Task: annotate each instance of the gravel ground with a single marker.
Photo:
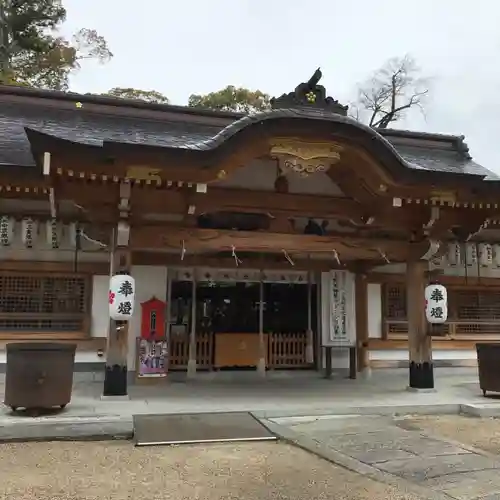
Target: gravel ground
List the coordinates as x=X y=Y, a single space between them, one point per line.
x=118 y=470
x=483 y=433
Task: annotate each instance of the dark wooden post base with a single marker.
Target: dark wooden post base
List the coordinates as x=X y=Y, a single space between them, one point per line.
x=421 y=375
x=328 y=362
x=115 y=381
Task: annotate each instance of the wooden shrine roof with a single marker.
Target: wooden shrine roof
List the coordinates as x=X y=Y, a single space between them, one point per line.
x=102 y=120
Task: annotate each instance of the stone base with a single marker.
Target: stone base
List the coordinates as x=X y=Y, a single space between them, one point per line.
x=421 y=375
x=115 y=398
x=421 y=391
x=115 y=381
x=191 y=369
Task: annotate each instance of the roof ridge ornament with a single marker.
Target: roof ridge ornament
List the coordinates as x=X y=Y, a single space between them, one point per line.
x=309 y=94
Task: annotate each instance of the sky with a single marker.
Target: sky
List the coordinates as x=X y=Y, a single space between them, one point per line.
x=199 y=46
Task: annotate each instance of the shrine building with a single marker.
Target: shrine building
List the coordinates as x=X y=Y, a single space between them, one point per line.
x=264 y=238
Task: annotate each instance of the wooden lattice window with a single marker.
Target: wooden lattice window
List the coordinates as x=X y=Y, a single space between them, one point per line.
x=471 y=311
x=474 y=305
x=35 y=303
x=394 y=302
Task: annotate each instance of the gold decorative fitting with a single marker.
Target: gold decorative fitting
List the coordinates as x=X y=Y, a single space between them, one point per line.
x=443 y=196
x=140 y=173
x=221 y=174
x=305 y=158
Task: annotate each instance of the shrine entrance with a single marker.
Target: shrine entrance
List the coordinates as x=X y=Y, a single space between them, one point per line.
x=229 y=319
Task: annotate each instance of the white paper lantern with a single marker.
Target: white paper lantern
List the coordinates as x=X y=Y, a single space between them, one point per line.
x=121 y=297
x=29 y=230
x=454 y=254
x=436 y=304
x=485 y=254
x=54 y=233
x=496 y=255
x=6 y=230
x=471 y=254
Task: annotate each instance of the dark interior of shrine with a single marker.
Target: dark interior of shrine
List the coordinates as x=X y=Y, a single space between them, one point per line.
x=233 y=307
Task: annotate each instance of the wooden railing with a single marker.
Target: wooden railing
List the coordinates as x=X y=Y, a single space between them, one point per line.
x=287 y=350
x=451 y=330
x=284 y=350
x=179 y=352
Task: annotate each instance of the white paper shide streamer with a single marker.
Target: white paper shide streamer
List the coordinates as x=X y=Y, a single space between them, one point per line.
x=6 y=230
x=436 y=304
x=28 y=229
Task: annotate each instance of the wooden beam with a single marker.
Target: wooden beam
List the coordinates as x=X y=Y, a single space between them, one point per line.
x=449 y=281
x=171 y=237
x=256 y=262
x=441 y=344
x=37 y=266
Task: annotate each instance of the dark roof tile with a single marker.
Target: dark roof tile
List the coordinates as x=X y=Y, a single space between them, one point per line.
x=93 y=128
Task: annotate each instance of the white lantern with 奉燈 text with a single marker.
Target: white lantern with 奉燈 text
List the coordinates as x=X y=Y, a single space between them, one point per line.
x=121 y=297
x=436 y=304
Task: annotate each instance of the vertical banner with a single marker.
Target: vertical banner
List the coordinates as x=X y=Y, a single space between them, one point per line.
x=338 y=308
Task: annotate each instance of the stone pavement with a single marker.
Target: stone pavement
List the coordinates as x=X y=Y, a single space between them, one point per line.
x=390 y=450
x=280 y=394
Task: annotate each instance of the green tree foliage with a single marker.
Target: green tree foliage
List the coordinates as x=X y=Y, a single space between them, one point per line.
x=37 y=55
x=232 y=99
x=144 y=95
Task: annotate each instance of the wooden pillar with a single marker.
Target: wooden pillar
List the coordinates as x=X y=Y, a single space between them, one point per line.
x=168 y=317
x=421 y=367
x=191 y=370
x=319 y=323
x=261 y=365
x=310 y=336
x=115 y=377
x=361 y=312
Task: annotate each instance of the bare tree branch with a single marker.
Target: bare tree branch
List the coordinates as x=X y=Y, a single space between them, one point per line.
x=391 y=91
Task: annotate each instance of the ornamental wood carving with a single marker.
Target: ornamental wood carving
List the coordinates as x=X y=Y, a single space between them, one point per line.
x=303 y=157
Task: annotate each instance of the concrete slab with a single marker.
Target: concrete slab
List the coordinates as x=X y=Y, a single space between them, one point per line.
x=420 y=468
x=483 y=410
x=69 y=429
x=282 y=394
x=477 y=484
x=383 y=443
